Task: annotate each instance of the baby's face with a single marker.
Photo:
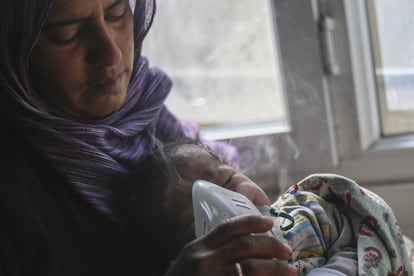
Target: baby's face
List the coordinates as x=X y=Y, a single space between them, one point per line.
x=192 y=162
x=195 y=162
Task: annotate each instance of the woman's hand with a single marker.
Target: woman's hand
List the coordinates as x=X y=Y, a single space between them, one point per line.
x=240 y=183
x=194 y=162
x=237 y=240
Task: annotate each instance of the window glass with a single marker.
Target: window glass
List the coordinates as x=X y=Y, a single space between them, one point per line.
x=222 y=58
x=392 y=29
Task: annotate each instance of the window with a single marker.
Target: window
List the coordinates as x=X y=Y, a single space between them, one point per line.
x=375 y=156
x=393 y=49
x=344 y=88
x=223 y=60
x=248 y=52
x=263 y=57
x=372 y=150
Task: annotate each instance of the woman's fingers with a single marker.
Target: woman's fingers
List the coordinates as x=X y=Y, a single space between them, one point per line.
x=250 y=267
x=237 y=226
x=230 y=178
x=252 y=246
x=265 y=267
x=257 y=267
x=246 y=235
x=240 y=239
x=242 y=184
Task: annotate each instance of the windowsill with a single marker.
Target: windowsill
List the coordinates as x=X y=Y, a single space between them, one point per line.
x=242 y=131
x=400 y=142
x=390 y=160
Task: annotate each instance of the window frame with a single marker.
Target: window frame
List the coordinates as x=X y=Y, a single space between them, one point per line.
x=344 y=136
x=382 y=164
x=333 y=114
x=309 y=144
x=374 y=163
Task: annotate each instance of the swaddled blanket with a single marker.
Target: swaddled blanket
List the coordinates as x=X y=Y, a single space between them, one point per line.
x=337 y=219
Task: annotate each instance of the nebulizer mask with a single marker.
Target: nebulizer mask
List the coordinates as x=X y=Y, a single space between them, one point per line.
x=212 y=204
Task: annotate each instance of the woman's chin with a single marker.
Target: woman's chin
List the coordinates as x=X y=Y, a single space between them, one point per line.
x=97 y=111
x=106 y=106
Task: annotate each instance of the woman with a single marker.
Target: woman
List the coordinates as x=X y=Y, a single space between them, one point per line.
x=79 y=107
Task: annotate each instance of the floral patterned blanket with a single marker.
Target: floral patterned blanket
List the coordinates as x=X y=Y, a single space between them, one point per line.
x=334 y=214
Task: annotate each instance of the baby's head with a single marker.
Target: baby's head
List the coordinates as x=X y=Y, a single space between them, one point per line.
x=158 y=193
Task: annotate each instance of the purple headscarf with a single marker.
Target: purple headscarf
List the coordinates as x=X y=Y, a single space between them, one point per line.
x=89 y=154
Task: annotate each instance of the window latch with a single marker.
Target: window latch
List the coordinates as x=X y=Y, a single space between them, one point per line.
x=329 y=53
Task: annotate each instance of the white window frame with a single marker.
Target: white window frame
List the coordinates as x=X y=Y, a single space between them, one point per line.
x=330 y=92
x=378 y=154
x=383 y=164
x=333 y=113
x=274 y=154
x=277 y=160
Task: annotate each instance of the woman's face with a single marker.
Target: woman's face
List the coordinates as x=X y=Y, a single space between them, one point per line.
x=83 y=58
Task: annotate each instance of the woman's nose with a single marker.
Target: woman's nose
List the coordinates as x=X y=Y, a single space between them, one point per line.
x=103 y=49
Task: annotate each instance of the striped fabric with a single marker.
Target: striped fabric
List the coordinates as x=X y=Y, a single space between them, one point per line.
x=89 y=154
x=334 y=215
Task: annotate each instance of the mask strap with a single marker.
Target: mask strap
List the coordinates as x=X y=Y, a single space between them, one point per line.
x=285 y=215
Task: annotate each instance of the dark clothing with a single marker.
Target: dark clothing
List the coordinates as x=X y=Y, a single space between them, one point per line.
x=48 y=229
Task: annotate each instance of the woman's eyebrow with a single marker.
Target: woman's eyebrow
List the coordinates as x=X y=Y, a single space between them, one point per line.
x=71 y=21
x=78 y=20
x=114 y=4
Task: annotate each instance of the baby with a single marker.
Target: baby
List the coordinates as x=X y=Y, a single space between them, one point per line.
x=170 y=171
x=155 y=186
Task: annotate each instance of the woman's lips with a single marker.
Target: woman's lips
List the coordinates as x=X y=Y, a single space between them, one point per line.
x=109 y=85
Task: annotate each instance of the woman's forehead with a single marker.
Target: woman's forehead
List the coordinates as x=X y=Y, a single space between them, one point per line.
x=64 y=9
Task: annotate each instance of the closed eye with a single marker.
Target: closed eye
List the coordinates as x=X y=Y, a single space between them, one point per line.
x=116 y=11
x=114 y=18
x=65 y=34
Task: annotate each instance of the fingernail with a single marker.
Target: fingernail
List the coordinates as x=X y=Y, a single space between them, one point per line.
x=267 y=221
x=288 y=249
x=293 y=269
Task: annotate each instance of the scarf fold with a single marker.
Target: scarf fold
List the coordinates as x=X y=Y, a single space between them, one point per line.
x=89 y=154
